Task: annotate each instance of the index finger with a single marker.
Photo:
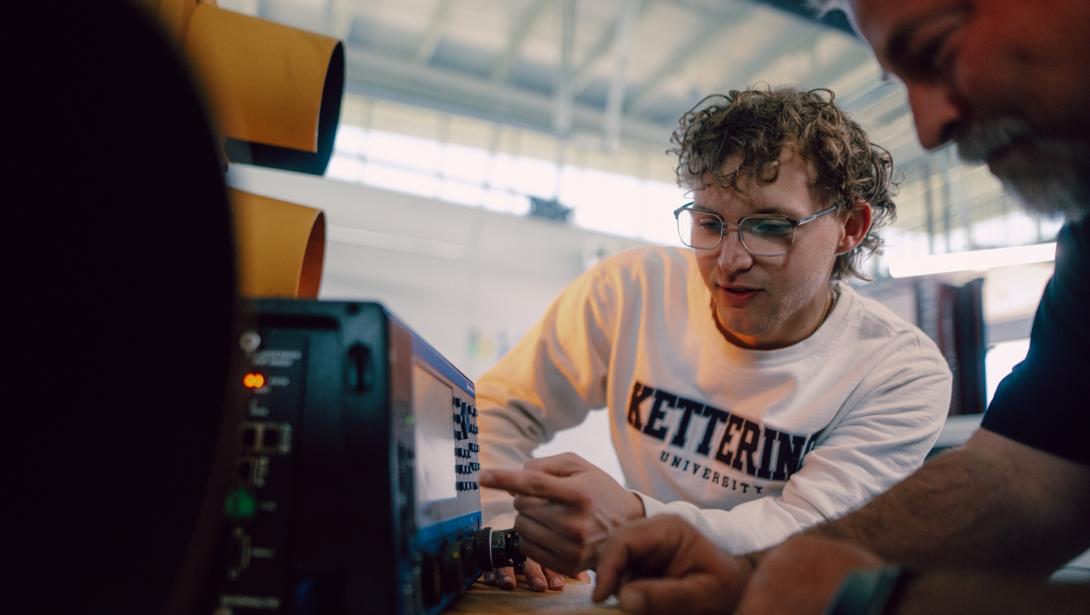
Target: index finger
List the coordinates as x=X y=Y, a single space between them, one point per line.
x=563 y=464
x=532 y=482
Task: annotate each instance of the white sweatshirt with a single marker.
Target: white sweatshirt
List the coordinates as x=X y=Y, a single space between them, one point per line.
x=750 y=446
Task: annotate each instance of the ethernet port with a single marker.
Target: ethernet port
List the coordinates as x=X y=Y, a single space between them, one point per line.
x=249 y=437
x=271 y=437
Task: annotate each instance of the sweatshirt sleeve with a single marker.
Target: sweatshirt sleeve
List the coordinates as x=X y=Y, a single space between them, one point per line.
x=883 y=438
x=549 y=381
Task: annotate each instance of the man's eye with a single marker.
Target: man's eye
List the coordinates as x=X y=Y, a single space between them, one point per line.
x=930 y=58
x=770 y=228
x=928 y=53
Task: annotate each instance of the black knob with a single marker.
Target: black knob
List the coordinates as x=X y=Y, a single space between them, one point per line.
x=498 y=549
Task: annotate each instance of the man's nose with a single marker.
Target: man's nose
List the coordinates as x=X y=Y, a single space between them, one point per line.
x=733 y=256
x=938 y=112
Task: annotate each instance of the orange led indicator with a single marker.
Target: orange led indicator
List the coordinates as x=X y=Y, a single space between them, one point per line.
x=253 y=380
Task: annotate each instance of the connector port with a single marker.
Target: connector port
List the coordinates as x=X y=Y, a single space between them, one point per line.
x=270 y=437
x=245 y=470
x=250 y=439
x=274 y=438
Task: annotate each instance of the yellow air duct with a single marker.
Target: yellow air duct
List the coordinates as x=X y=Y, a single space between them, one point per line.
x=281 y=246
x=275 y=93
x=275 y=90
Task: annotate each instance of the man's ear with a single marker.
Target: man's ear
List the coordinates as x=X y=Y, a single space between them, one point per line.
x=856 y=226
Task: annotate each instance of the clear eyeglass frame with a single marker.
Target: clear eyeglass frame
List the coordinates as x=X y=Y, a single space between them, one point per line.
x=744 y=225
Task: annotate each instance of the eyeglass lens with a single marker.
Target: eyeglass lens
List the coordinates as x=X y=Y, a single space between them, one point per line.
x=760 y=236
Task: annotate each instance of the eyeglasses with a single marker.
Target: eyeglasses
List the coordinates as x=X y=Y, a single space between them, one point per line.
x=760 y=235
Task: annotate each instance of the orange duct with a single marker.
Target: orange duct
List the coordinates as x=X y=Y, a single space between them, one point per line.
x=275 y=93
x=281 y=246
x=275 y=90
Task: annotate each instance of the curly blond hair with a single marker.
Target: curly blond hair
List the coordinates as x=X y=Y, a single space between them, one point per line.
x=755 y=125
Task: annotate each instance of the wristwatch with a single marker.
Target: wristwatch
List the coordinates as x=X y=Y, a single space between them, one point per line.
x=869 y=592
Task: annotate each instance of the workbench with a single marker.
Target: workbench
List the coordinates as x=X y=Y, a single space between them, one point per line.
x=575 y=599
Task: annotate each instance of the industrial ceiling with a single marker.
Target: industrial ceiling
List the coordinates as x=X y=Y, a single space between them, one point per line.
x=621 y=72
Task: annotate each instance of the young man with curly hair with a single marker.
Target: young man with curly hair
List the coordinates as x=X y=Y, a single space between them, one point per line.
x=750 y=389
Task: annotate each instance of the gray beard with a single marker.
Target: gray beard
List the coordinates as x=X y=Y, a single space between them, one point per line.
x=1056 y=183
x=1060 y=193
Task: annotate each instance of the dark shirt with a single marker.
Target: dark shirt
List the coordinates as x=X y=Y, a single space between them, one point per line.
x=1045 y=401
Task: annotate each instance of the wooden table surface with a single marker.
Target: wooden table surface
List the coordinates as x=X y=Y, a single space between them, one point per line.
x=575 y=599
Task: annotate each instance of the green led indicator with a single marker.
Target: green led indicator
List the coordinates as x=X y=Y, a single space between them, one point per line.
x=240 y=504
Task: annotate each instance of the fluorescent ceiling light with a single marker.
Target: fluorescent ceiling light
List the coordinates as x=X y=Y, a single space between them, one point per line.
x=975 y=260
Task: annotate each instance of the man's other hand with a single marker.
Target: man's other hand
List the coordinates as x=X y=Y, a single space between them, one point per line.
x=801 y=575
x=665 y=565
x=566 y=507
x=538 y=578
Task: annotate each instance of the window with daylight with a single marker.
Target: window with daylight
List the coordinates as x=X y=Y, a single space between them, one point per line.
x=603 y=201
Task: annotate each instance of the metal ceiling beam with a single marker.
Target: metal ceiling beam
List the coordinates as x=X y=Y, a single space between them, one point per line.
x=601 y=48
x=833 y=20
x=518 y=36
x=854 y=84
x=562 y=109
x=400 y=79
x=771 y=49
x=626 y=23
x=246 y=7
x=434 y=32
x=710 y=32
x=831 y=73
x=339 y=15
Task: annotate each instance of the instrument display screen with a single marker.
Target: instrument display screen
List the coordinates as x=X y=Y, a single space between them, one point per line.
x=435 y=474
